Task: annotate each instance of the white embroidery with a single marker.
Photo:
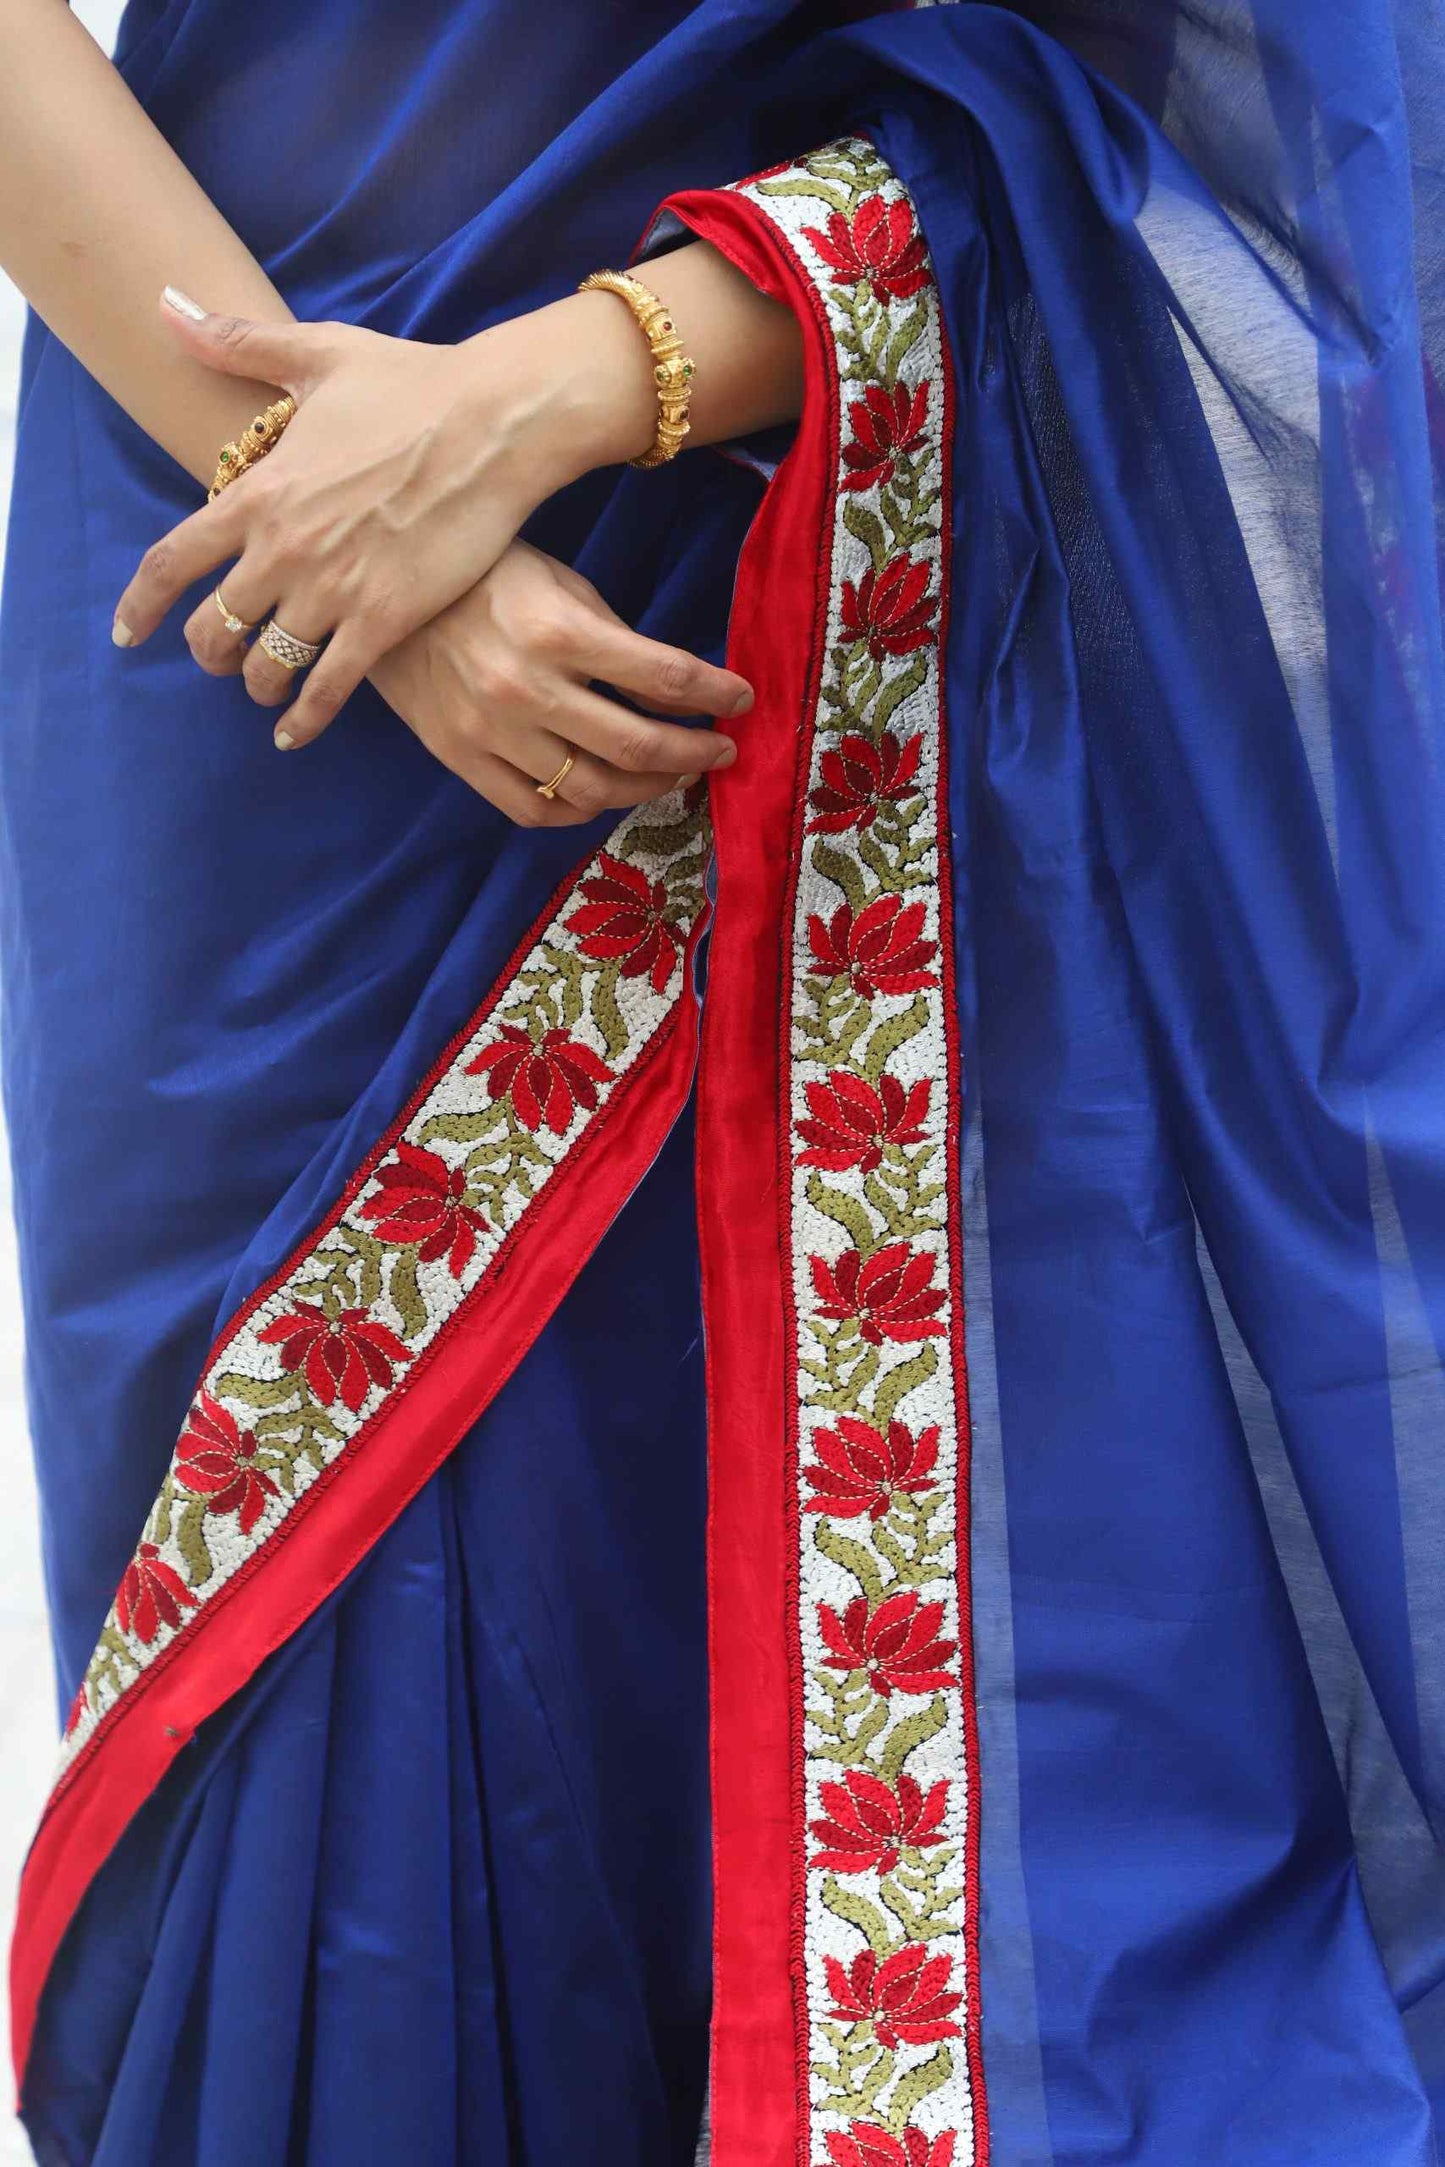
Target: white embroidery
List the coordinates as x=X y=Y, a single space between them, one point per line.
x=891 y=1930
x=370 y=1295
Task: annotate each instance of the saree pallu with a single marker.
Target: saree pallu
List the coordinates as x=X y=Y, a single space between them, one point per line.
x=1059 y=1288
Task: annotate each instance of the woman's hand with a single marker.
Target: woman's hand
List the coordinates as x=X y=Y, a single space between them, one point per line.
x=409 y=468
x=405 y=473
x=498 y=687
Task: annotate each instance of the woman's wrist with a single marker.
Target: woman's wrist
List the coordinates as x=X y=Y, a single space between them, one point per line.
x=579 y=390
x=571 y=387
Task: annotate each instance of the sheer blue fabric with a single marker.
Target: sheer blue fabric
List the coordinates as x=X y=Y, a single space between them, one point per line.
x=435 y=1888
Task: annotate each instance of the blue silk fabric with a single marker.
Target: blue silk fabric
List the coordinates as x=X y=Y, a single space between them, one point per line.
x=434 y=1889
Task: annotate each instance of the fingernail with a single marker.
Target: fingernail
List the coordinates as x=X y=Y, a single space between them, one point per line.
x=284 y=741
x=183 y=304
x=121 y=633
x=728 y=754
x=742 y=703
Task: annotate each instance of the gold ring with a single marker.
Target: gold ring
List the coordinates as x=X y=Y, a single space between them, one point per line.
x=549 y=790
x=256 y=439
x=233 y=622
x=285 y=648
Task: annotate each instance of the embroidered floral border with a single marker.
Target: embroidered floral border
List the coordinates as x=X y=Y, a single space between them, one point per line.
x=887 y=1737
x=303 y=1375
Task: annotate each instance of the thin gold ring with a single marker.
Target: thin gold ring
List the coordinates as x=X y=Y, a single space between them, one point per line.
x=549 y=790
x=233 y=622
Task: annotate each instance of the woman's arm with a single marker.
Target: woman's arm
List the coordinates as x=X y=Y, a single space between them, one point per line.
x=422 y=460
x=97 y=214
x=410 y=467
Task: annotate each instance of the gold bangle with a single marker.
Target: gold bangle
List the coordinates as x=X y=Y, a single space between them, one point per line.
x=672 y=369
x=256 y=439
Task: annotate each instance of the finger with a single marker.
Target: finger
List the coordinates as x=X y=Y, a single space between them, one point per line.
x=197 y=546
x=513 y=792
x=287 y=355
x=639 y=744
x=661 y=676
x=324 y=689
x=590 y=785
x=270 y=681
x=219 y=629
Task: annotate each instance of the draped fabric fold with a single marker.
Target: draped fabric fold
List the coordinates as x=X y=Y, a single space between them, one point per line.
x=1059 y=1284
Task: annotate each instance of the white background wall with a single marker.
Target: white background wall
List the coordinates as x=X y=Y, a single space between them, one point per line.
x=27 y=1716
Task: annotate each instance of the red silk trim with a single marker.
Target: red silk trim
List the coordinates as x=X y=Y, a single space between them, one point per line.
x=97 y=1796
x=759 y=2085
x=761 y=2109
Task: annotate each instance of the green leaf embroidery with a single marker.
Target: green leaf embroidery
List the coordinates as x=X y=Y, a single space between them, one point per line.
x=851 y=1905
x=898 y=1383
x=856 y=2070
x=815 y=188
x=909 y=680
x=464 y=1128
x=406 y=1295
x=848 y=1720
x=369 y=1250
x=854 y=1557
x=662 y=841
x=893 y=1032
x=844 y=872
x=844 y=1211
x=191 y=1541
x=912 y=1732
x=159 y=1529
x=921 y=1901
x=867 y=527
x=605 y=1012
x=257 y=1391
x=904 y=339
x=916 y=1550
x=915 y=2085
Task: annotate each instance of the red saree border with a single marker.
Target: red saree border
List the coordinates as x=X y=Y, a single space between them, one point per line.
x=844 y=1967
x=758 y=2102
x=159 y=1671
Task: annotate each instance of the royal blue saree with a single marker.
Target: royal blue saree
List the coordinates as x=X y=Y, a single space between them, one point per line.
x=771 y=1476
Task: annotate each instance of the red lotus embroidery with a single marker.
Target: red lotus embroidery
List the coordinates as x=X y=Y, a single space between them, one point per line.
x=865 y=2144
x=879 y=247
x=343 y=1355
x=858 y=1468
x=421 y=1199
x=623 y=918
x=858 y=777
x=869 y=1822
x=898 y=1644
x=905 y=1996
x=892 y=610
x=216 y=1460
x=886 y=426
x=549 y=1078
x=848 y=1123
x=891 y=1296
x=152 y=1594
x=880 y=949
